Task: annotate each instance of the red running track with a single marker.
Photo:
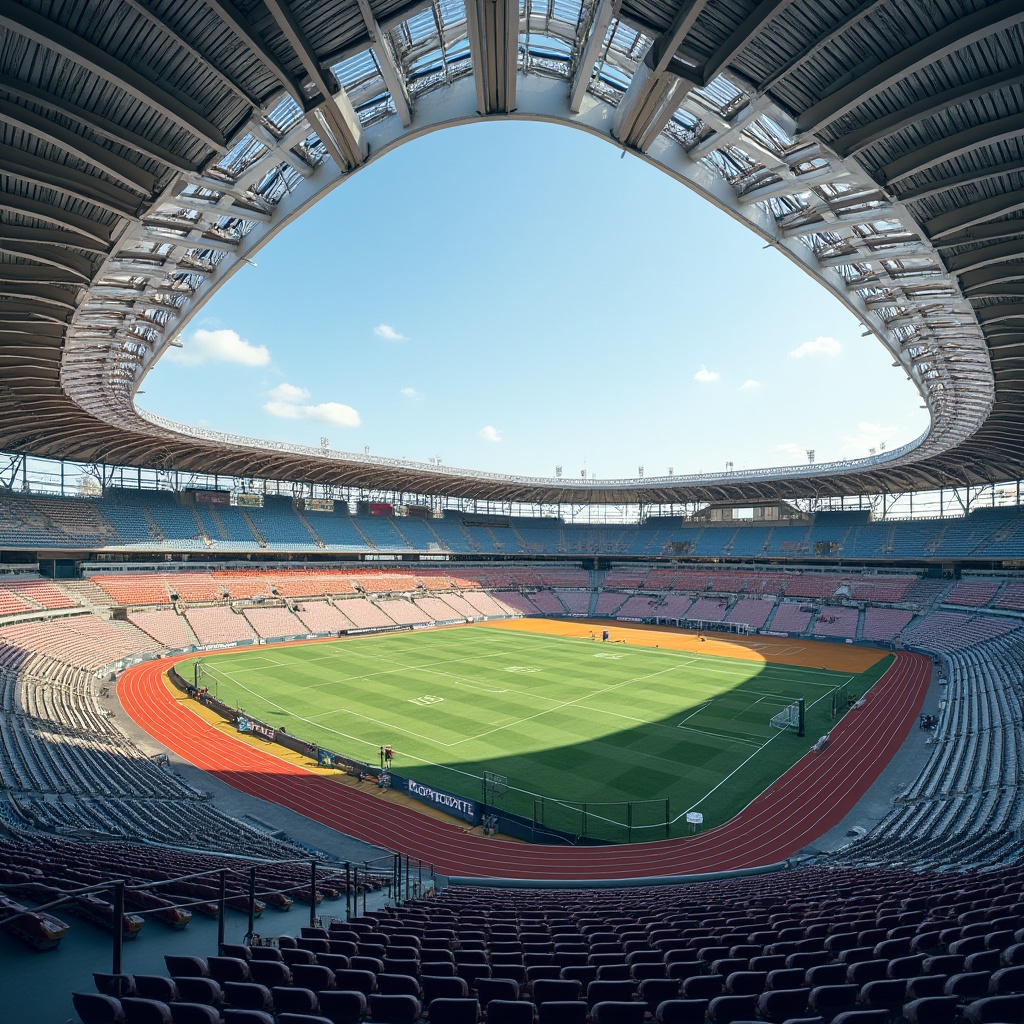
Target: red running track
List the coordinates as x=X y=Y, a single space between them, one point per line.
x=803 y=804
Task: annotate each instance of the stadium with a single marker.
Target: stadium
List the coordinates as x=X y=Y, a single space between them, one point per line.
x=725 y=747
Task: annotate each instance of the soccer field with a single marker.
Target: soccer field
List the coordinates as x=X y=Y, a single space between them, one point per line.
x=562 y=718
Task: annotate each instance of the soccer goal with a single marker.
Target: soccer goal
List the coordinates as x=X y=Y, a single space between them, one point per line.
x=791 y=717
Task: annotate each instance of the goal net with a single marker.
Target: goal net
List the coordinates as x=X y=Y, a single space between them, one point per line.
x=788 y=717
x=623 y=821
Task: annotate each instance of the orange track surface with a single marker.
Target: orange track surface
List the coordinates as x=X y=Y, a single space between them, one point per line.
x=812 y=797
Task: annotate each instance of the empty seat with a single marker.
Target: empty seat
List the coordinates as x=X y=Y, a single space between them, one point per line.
x=682 y=1011
x=705 y=986
x=562 y=1011
x=315 y=976
x=186 y=966
x=194 y=1013
x=235 y=1016
x=610 y=991
x=823 y=974
x=271 y=972
x=613 y=1012
x=489 y=989
x=1006 y=981
x=556 y=990
x=199 y=990
x=97 y=1008
x=968 y=986
x=654 y=991
x=788 y=977
x=931 y=1010
x=867 y=970
x=264 y=953
x=145 y=1011
x=434 y=987
x=247 y=995
x=728 y=1009
x=447 y=1010
x=294 y=1000
x=925 y=985
x=342 y=1007
x=397 y=1009
x=228 y=968
x=886 y=994
x=155 y=986
x=862 y=1017
x=742 y=983
x=357 y=981
x=828 y=1001
x=398 y=984
x=778 y=1005
x=994 y=1009
x=507 y=1011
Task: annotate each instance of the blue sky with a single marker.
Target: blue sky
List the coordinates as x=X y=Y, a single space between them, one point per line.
x=514 y=297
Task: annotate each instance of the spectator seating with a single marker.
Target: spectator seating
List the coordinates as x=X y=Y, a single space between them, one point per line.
x=836 y=621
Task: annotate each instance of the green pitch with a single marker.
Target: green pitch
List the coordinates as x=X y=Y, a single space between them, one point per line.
x=561 y=718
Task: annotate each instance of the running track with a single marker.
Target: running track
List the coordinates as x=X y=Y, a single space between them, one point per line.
x=812 y=797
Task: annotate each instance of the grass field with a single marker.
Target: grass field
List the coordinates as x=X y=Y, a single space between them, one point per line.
x=562 y=718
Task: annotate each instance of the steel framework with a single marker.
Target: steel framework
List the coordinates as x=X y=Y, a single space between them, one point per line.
x=150 y=149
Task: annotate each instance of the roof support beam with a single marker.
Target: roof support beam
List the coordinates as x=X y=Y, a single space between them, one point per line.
x=743 y=36
x=833 y=33
x=975 y=213
x=47 y=213
x=984 y=256
x=981 y=280
x=53 y=36
x=985 y=233
x=655 y=92
x=955 y=36
x=239 y=25
x=45 y=236
x=997 y=314
x=27 y=273
x=949 y=148
x=208 y=65
x=66 y=180
x=392 y=74
x=493 y=27
x=48 y=256
x=92 y=121
x=41 y=293
x=116 y=167
x=934 y=188
x=601 y=15
x=342 y=133
x=883 y=127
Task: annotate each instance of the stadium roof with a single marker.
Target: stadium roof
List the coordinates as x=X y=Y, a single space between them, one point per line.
x=150 y=148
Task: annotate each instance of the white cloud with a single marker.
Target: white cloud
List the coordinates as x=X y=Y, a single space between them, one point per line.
x=283 y=410
x=388 y=333
x=411 y=393
x=858 y=445
x=750 y=385
x=221 y=346
x=336 y=413
x=289 y=402
x=705 y=376
x=289 y=393
x=792 y=450
x=490 y=433
x=821 y=346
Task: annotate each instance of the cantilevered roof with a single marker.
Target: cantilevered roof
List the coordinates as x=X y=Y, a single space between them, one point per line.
x=148 y=148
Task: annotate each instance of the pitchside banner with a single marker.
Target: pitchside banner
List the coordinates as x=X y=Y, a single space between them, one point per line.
x=258 y=728
x=447 y=802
